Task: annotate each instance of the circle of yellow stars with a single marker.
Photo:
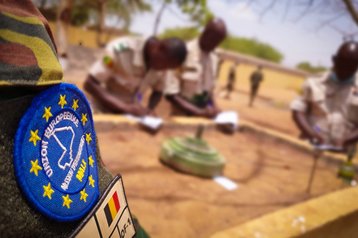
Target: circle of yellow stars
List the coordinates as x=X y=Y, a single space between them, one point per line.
x=88 y=138
x=84 y=195
x=34 y=137
x=62 y=101
x=67 y=201
x=75 y=104
x=48 y=191
x=91 y=181
x=35 y=167
x=47 y=114
x=90 y=160
x=84 y=118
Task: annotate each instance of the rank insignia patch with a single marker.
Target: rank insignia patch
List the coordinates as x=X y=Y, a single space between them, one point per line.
x=55 y=154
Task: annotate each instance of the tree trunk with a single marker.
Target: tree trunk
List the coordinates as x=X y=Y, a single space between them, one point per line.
x=42 y=4
x=158 y=18
x=351 y=10
x=101 y=23
x=62 y=23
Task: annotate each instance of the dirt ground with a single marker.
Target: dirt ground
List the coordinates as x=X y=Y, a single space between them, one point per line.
x=270 y=175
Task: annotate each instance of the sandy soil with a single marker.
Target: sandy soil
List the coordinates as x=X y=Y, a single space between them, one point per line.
x=270 y=175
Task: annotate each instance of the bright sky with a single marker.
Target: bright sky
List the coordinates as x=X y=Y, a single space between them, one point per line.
x=299 y=40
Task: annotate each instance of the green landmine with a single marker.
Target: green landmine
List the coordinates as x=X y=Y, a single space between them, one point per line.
x=193 y=156
x=347 y=171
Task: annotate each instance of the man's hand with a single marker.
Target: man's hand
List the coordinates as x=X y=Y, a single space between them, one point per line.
x=317 y=138
x=152 y=113
x=344 y=143
x=217 y=110
x=301 y=120
x=209 y=112
x=137 y=110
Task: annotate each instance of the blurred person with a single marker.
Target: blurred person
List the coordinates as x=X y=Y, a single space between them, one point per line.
x=231 y=79
x=46 y=190
x=327 y=111
x=62 y=24
x=190 y=90
x=132 y=65
x=256 y=79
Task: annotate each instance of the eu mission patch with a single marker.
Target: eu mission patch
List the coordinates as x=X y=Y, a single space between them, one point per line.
x=55 y=154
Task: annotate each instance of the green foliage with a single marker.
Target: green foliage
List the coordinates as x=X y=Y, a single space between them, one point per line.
x=85 y=10
x=252 y=47
x=306 y=66
x=197 y=10
x=236 y=44
x=125 y=9
x=80 y=15
x=185 y=33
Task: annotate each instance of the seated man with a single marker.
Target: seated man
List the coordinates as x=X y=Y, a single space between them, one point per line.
x=191 y=91
x=130 y=66
x=327 y=111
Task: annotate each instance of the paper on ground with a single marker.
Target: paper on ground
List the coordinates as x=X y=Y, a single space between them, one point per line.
x=328 y=147
x=227 y=117
x=153 y=123
x=226 y=183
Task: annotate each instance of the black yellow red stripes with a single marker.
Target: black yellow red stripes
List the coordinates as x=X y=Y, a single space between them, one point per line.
x=112 y=208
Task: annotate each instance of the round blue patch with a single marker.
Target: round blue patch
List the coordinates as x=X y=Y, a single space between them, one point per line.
x=55 y=154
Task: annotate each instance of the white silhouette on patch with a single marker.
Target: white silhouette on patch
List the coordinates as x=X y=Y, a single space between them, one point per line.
x=62 y=161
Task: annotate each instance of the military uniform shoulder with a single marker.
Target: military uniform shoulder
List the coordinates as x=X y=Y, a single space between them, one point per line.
x=24 y=62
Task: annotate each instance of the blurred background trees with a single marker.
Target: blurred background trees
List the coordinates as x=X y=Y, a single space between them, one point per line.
x=329 y=13
x=197 y=10
x=94 y=12
x=306 y=66
x=118 y=14
x=242 y=45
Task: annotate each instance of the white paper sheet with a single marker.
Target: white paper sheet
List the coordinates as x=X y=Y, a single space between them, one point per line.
x=328 y=147
x=150 y=122
x=153 y=123
x=227 y=117
x=225 y=182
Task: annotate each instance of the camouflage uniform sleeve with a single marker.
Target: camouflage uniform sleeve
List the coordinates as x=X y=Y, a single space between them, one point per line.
x=28 y=56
